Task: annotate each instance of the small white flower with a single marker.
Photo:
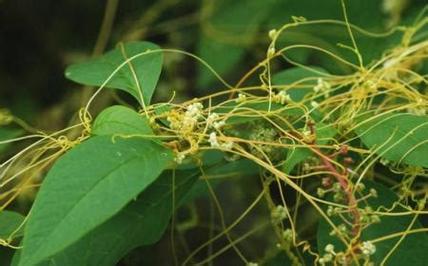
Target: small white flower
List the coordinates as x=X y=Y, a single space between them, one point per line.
x=330 y=211
x=322 y=86
x=241 y=98
x=212 y=118
x=179 y=158
x=227 y=145
x=194 y=110
x=420 y=111
x=373 y=192
x=341 y=230
x=326 y=258
x=306 y=167
x=282 y=97
x=317 y=88
x=384 y=161
x=329 y=248
x=375 y=219
x=189 y=121
x=211 y=121
x=213 y=140
x=315 y=104
x=390 y=63
x=306 y=133
x=368 y=248
x=321 y=193
x=218 y=125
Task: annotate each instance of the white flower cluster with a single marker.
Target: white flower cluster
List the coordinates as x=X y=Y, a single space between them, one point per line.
x=326 y=258
x=279 y=213
x=215 y=144
x=315 y=104
x=367 y=248
x=213 y=140
x=329 y=249
x=241 y=98
x=189 y=120
x=179 y=158
x=323 y=87
x=282 y=97
x=211 y=121
x=419 y=110
x=193 y=114
x=341 y=230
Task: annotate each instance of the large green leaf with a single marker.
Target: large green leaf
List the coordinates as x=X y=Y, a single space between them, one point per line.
x=411 y=251
x=147 y=67
x=121 y=120
x=142 y=222
x=397 y=137
x=86 y=187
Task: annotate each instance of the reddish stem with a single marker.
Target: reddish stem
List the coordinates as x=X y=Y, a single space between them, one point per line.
x=342 y=179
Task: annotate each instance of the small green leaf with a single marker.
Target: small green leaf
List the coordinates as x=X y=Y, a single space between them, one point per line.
x=147 y=66
x=411 y=251
x=86 y=187
x=121 y=120
x=397 y=137
x=10 y=224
